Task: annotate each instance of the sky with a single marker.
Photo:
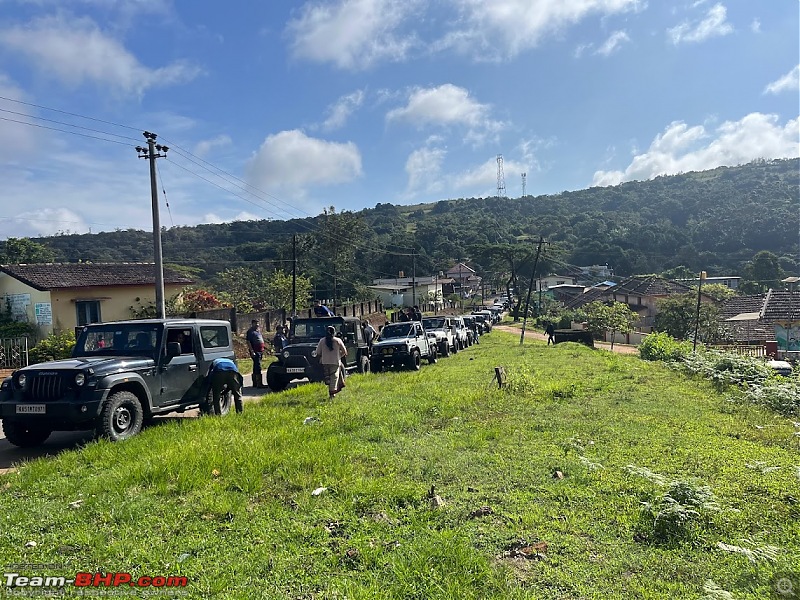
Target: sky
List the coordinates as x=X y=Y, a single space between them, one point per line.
x=279 y=109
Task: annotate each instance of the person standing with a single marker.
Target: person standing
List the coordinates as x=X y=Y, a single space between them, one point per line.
x=331 y=350
x=279 y=342
x=550 y=331
x=369 y=334
x=320 y=310
x=255 y=343
x=223 y=373
x=416 y=313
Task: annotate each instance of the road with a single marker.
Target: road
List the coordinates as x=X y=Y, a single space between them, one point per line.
x=537 y=335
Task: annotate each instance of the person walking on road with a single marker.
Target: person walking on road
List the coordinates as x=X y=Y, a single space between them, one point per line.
x=255 y=343
x=331 y=350
x=223 y=373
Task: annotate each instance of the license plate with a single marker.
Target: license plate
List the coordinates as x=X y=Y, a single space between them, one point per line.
x=31 y=409
x=295 y=370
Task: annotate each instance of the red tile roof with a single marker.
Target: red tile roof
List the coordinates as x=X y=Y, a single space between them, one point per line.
x=50 y=276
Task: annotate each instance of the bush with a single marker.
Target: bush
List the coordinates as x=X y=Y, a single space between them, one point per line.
x=779 y=394
x=53 y=347
x=678 y=514
x=725 y=369
x=662 y=346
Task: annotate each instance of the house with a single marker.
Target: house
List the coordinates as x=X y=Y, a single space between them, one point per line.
x=640 y=293
x=774 y=316
x=466 y=282
x=61 y=296
x=426 y=291
x=545 y=283
x=729 y=282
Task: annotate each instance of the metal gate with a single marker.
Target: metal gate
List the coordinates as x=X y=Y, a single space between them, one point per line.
x=13 y=353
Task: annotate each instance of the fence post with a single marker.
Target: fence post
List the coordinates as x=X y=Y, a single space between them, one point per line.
x=232 y=319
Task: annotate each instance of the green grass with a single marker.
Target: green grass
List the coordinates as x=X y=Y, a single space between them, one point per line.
x=228 y=502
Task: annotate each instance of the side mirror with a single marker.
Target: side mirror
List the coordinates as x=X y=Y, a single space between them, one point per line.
x=173 y=350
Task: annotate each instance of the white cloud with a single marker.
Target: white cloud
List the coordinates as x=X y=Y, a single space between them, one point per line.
x=447 y=105
x=788 y=83
x=43 y=222
x=75 y=51
x=340 y=111
x=424 y=167
x=215 y=219
x=351 y=34
x=204 y=147
x=712 y=25
x=290 y=160
x=504 y=28
x=613 y=43
x=18 y=139
x=682 y=148
x=755 y=26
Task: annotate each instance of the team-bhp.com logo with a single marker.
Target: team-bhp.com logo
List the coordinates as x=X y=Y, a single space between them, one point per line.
x=786 y=585
x=93 y=580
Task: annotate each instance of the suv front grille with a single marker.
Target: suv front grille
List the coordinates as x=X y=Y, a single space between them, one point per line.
x=46 y=387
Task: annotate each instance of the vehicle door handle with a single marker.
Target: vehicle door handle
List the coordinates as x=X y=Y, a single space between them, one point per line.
x=193 y=367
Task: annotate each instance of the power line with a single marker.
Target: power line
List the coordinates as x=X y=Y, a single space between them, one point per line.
x=93 y=137
x=64 y=112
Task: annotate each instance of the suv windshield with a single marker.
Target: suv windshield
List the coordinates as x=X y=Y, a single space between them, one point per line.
x=395 y=330
x=312 y=330
x=119 y=339
x=433 y=323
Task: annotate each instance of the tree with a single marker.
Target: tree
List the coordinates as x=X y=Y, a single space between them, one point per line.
x=243 y=288
x=337 y=242
x=677 y=316
x=278 y=290
x=24 y=250
x=762 y=273
x=613 y=318
x=718 y=291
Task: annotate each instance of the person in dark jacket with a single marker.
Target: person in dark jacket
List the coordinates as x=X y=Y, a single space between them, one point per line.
x=551 y=333
x=416 y=313
x=223 y=373
x=279 y=342
x=255 y=343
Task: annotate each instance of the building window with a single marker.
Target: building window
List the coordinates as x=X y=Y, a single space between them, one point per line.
x=88 y=311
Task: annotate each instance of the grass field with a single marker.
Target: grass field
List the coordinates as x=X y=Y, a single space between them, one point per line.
x=561 y=485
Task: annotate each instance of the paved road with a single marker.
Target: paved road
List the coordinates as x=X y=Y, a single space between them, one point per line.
x=59 y=441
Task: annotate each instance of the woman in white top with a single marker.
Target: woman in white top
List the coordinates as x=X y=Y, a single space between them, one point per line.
x=330 y=351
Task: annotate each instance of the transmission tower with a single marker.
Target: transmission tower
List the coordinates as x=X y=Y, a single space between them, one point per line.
x=524 y=178
x=501 y=180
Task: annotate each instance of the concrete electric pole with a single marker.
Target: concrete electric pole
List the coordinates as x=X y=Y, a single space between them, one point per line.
x=151 y=153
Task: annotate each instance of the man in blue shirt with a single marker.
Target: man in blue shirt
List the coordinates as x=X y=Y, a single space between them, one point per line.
x=223 y=373
x=320 y=310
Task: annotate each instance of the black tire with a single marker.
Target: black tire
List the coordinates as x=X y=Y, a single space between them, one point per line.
x=275 y=382
x=455 y=346
x=445 y=349
x=363 y=365
x=415 y=361
x=121 y=417
x=225 y=403
x=432 y=355
x=25 y=435
x=376 y=366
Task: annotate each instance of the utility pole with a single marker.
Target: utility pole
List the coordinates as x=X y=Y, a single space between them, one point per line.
x=530 y=289
x=294 y=275
x=413 y=278
x=151 y=153
x=697 y=316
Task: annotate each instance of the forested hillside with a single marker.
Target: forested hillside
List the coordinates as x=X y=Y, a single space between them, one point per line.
x=713 y=220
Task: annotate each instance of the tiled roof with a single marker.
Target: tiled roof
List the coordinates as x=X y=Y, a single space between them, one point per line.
x=649 y=285
x=50 y=276
x=781 y=305
x=737 y=305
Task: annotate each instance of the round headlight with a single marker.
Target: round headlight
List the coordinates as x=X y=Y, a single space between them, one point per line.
x=80 y=379
x=21 y=379
x=285 y=354
x=313 y=354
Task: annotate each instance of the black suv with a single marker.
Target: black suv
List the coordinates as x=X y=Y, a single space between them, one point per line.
x=299 y=359
x=120 y=374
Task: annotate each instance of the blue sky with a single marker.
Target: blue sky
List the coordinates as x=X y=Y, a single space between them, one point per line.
x=276 y=109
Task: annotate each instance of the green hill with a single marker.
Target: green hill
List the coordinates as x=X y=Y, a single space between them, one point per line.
x=712 y=220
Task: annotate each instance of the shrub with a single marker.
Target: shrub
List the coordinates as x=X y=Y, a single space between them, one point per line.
x=678 y=514
x=663 y=347
x=779 y=394
x=53 y=347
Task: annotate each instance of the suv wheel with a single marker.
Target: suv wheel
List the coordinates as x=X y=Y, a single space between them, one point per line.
x=376 y=365
x=25 y=436
x=432 y=355
x=363 y=365
x=121 y=417
x=275 y=382
x=445 y=349
x=414 y=361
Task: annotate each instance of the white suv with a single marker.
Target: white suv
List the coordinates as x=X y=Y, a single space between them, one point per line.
x=441 y=330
